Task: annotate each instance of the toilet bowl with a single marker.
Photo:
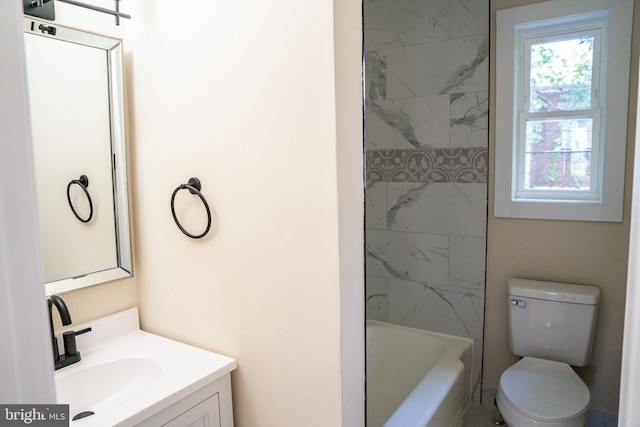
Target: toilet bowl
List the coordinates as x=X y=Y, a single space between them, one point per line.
x=542 y=393
x=551 y=326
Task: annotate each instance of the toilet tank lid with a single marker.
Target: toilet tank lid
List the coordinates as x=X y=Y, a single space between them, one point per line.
x=554 y=291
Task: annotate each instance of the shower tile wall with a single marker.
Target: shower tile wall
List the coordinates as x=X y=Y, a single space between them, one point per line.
x=427 y=137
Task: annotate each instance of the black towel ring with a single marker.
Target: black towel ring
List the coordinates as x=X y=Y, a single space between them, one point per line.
x=194 y=187
x=83 y=182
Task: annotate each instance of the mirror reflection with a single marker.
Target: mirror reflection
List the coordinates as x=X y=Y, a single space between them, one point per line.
x=76 y=99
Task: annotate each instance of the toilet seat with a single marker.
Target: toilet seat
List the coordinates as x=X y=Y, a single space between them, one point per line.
x=544 y=390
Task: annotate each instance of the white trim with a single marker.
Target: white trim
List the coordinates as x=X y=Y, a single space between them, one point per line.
x=347 y=18
x=26 y=371
x=609 y=207
x=629 y=410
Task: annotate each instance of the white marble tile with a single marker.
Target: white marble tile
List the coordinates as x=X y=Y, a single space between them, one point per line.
x=375 y=76
x=376 y=205
x=476 y=374
x=376 y=298
x=427 y=87
x=469 y=18
x=453 y=311
x=437 y=68
x=420 y=122
x=469 y=119
x=408 y=256
x=387 y=127
x=467 y=262
x=393 y=23
x=438 y=208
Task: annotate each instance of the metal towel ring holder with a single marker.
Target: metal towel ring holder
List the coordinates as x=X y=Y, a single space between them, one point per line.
x=82 y=182
x=194 y=187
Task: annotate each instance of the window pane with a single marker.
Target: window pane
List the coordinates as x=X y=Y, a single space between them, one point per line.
x=558 y=154
x=560 y=75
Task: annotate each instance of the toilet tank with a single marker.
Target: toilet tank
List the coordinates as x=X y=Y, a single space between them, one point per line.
x=553 y=321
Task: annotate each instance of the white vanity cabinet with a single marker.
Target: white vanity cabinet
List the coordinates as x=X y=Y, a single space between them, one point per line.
x=204 y=414
x=208 y=407
x=128 y=377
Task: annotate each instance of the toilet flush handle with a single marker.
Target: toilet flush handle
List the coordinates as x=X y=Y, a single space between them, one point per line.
x=518 y=303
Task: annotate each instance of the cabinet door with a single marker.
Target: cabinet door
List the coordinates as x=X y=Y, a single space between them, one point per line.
x=204 y=414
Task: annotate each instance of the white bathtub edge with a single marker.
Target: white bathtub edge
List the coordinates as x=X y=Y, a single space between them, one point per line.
x=447 y=386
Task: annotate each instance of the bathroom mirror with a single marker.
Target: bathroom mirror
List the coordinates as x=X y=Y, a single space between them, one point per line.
x=77 y=118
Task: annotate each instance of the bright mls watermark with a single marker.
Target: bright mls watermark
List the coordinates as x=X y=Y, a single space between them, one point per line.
x=34 y=415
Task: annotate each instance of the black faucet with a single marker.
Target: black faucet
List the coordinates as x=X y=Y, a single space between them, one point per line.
x=71 y=353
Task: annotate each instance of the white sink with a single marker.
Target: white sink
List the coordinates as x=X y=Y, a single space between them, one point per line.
x=126 y=375
x=101 y=387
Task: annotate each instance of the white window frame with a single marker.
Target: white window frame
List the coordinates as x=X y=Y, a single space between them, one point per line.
x=604 y=201
x=528 y=36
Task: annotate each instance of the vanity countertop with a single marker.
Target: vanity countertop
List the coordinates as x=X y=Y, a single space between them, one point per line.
x=127 y=375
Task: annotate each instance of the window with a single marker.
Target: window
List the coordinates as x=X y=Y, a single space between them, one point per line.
x=558 y=140
x=561 y=110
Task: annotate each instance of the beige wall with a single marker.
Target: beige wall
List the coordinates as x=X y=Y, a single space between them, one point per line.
x=262 y=102
x=565 y=251
x=243 y=97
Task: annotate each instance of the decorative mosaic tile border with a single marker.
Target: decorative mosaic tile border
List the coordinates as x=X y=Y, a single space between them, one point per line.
x=458 y=165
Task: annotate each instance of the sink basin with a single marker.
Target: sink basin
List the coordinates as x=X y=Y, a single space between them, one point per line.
x=127 y=375
x=103 y=386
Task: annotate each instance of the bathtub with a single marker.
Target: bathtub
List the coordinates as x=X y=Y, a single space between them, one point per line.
x=416 y=378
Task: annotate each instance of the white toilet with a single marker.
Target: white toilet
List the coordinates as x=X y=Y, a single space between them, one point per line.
x=551 y=325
